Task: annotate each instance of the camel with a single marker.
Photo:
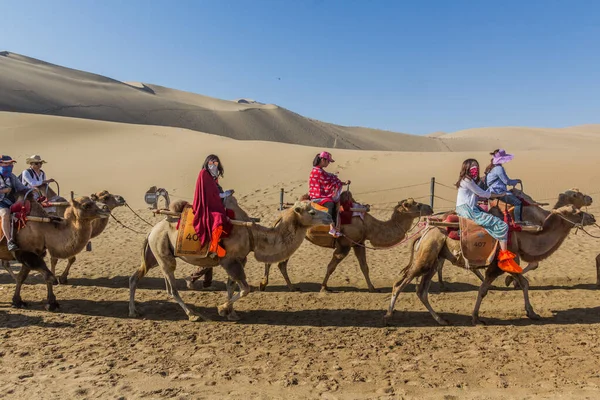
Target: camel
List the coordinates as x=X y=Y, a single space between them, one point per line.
x=381 y=234
x=59 y=240
x=536 y=215
x=433 y=247
x=111 y=201
x=268 y=244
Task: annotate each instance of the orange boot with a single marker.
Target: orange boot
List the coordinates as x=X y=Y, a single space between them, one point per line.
x=506 y=262
x=215 y=250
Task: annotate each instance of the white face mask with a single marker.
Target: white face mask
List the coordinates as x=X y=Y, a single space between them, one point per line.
x=214 y=170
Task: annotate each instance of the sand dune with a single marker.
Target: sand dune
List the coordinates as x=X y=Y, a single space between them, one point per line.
x=33 y=86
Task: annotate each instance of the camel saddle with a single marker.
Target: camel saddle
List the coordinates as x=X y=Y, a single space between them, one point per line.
x=477 y=246
x=187 y=243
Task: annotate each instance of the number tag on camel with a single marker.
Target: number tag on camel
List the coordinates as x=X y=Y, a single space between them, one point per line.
x=188 y=243
x=477 y=246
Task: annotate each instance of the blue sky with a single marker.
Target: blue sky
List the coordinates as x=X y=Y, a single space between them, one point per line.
x=407 y=66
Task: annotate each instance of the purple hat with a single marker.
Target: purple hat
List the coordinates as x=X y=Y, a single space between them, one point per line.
x=502 y=157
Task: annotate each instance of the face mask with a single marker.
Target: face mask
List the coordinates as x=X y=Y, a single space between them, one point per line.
x=214 y=170
x=5 y=171
x=474 y=172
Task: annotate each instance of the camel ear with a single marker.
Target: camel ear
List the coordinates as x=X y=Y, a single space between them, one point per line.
x=411 y=202
x=94 y=197
x=73 y=201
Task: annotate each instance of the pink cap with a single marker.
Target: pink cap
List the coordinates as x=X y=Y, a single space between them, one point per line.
x=326 y=156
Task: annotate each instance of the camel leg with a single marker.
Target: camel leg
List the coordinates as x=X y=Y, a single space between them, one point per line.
x=361 y=254
x=133 y=282
x=339 y=254
x=236 y=274
x=53 y=263
x=168 y=288
x=265 y=280
x=6 y=265
x=63 y=278
x=478 y=274
x=530 y=267
x=283 y=269
x=491 y=273
x=423 y=292
x=231 y=314
x=17 y=302
x=399 y=286
x=524 y=284
x=167 y=265
x=440 y=278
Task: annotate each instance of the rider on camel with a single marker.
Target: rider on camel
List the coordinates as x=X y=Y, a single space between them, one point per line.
x=324 y=188
x=466 y=207
x=497 y=181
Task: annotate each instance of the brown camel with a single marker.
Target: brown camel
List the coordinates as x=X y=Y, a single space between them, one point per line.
x=111 y=201
x=59 y=240
x=268 y=244
x=434 y=247
x=534 y=214
x=381 y=234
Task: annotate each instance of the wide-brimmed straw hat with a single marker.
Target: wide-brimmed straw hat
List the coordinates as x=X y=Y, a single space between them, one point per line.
x=35 y=159
x=502 y=157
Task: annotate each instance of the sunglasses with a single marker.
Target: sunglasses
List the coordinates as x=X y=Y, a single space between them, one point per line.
x=36 y=163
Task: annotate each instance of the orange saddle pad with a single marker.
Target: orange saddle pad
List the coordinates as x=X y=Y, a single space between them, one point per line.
x=188 y=243
x=477 y=246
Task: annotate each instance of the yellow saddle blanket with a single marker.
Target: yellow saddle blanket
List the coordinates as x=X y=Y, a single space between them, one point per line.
x=188 y=243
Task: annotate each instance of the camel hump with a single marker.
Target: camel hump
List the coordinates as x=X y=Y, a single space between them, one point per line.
x=178 y=205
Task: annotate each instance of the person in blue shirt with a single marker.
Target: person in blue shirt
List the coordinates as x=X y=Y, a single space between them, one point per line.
x=497 y=181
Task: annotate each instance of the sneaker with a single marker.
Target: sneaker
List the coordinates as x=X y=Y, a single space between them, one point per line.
x=335 y=233
x=12 y=246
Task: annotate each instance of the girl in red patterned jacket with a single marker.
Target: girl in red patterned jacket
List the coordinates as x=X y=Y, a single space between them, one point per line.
x=324 y=188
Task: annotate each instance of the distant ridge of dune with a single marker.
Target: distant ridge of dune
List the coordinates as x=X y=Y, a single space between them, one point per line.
x=28 y=85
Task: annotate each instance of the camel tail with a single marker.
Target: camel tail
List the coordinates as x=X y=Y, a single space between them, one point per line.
x=412 y=254
x=148 y=260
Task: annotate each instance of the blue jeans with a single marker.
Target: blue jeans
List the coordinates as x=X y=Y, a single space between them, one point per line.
x=515 y=201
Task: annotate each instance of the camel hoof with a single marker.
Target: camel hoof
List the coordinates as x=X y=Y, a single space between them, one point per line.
x=262 y=287
x=373 y=290
x=443 y=322
x=223 y=310
x=387 y=319
x=477 y=321
x=52 y=306
x=19 y=304
x=509 y=279
x=134 y=314
x=325 y=289
x=62 y=280
x=232 y=316
x=532 y=315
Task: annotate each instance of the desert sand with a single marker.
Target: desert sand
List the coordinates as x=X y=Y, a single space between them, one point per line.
x=287 y=345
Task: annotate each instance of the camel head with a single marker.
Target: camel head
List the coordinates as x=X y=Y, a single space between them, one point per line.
x=575 y=197
x=574 y=215
x=84 y=208
x=307 y=215
x=413 y=208
x=111 y=200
